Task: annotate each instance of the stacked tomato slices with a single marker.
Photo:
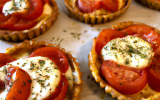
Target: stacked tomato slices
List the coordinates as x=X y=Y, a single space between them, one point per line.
x=88 y=6
x=123 y=78
x=18 y=90
x=21 y=21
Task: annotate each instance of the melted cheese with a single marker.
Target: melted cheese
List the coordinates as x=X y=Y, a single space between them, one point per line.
x=14 y=6
x=130 y=51
x=42 y=69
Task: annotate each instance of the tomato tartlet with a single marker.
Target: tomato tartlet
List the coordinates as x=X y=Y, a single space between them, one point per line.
x=153 y=4
x=39 y=71
x=26 y=19
x=125 y=61
x=96 y=11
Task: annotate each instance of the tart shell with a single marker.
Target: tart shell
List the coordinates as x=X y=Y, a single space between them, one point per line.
x=27 y=47
x=90 y=18
x=36 y=31
x=153 y=4
x=94 y=64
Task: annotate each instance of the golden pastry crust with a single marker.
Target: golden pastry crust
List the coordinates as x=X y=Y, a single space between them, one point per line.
x=94 y=18
x=27 y=47
x=153 y=4
x=41 y=27
x=94 y=64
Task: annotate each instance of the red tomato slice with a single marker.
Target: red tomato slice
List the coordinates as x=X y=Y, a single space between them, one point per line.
x=154 y=74
x=88 y=6
x=2 y=85
x=110 y=5
x=14 y=23
x=45 y=1
x=35 y=10
x=55 y=54
x=5 y=58
x=147 y=33
x=105 y=36
x=10 y=72
x=20 y=89
x=1 y=7
x=56 y=92
x=63 y=93
x=124 y=79
x=4 y=1
x=3 y=18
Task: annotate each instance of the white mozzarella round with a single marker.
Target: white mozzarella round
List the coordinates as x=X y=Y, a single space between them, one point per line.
x=14 y=6
x=39 y=68
x=130 y=51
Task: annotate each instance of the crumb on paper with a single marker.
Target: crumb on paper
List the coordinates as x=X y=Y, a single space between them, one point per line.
x=74 y=23
x=85 y=31
x=57 y=41
x=103 y=95
x=76 y=35
x=64 y=30
x=82 y=42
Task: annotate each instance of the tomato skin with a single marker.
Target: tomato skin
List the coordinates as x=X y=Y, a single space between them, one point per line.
x=55 y=54
x=5 y=58
x=20 y=24
x=19 y=90
x=88 y=6
x=56 y=92
x=105 y=36
x=110 y=5
x=35 y=10
x=10 y=72
x=147 y=33
x=4 y=1
x=154 y=73
x=2 y=85
x=110 y=71
x=21 y=21
x=63 y=93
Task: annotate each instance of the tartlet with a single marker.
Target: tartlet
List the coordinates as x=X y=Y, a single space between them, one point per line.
x=96 y=17
x=153 y=4
x=95 y=63
x=27 y=47
x=43 y=24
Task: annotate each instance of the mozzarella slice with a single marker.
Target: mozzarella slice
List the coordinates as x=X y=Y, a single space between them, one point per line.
x=14 y=6
x=130 y=51
x=39 y=68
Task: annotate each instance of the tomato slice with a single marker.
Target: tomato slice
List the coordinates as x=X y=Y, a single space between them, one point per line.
x=105 y=36
x=110 y=5
x=20 y=90
x=13 y=23
x=88 y=6
x=4 y=1
x=2 y=85
x=147 y=33
x=9 y=74
x=35 y=10
x=63 y=93
x=124 y=79
x=55 y=54
x=45 y=1
x=5 y=58
x=154 y=74
x=56 y=91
